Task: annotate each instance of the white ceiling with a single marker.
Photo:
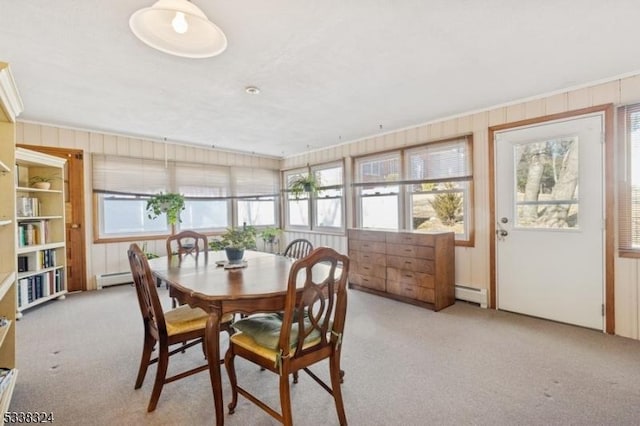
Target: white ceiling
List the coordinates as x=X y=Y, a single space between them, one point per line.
x=329 y=71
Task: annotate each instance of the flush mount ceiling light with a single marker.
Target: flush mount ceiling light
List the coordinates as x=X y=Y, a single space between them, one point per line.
x=178 y=27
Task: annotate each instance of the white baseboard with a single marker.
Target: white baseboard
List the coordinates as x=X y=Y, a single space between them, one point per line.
x=116 y=278
x=474 y=295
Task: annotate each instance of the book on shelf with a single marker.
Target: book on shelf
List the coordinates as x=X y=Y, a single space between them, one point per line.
x=27 y=206
x=33 y=233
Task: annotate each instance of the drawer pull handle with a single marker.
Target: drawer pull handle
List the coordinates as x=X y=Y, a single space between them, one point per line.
x=366 y=268
x=407 y=263
x=408 y=275
x=365 y=280
x=407 y=250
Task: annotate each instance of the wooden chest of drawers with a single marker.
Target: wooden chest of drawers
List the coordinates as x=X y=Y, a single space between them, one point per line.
x=412 y=267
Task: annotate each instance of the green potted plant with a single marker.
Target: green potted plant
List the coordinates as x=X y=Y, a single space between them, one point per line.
x=304 y=183
x=235 y=241
x=169 y=203
x=269 y=235
x=41 y=182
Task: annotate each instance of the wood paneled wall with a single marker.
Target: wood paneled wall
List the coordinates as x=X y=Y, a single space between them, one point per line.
x=472 y=263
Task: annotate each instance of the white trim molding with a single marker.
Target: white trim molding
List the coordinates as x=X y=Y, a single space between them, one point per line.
x=10 y=101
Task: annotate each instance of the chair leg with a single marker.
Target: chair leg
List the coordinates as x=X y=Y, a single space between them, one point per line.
x=285 y=400
x=295 y=377
x=147 y=349
x=229 y=363
x=161 y=373
x=334 y=369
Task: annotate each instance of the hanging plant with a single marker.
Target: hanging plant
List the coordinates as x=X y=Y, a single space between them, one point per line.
x=304 y=183
x=170 y=204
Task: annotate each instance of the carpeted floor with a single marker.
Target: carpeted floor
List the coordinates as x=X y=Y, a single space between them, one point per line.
x=404 y=365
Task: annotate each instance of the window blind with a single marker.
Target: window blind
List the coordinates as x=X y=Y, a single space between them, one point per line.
x=440 y=161
x=131 y=176
x=195 y=180
x=379 y=169
x=629 y=178
x=252 y=182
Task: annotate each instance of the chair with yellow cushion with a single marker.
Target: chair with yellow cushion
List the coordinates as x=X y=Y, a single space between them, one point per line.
x=183 y=325
x=309 y=331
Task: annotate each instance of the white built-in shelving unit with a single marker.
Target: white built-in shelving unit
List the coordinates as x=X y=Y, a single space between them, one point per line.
x=40 y=229
x=10 y=108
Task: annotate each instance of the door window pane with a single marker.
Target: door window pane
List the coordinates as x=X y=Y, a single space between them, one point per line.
x=547 y=184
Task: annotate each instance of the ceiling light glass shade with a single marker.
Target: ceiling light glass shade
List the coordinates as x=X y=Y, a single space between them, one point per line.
x=178 y=27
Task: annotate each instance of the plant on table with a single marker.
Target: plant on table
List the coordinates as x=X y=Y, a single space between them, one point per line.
x=235 y=241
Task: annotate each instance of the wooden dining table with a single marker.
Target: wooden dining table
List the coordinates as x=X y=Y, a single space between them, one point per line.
x=260 y=286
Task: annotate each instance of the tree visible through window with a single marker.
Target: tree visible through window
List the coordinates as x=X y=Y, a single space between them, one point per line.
x=547 y=183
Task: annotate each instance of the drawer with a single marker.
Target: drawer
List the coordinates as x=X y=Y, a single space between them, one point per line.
x=358 y=234
x=374 y=283
x=421 y=252
x=370 y=270
x=411 y=291
x=411 y=239
x=368 y=246
x=368 y=258
x=414 y=278
x=411 y=264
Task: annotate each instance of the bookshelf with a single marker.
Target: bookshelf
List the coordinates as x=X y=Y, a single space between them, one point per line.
x=10 y=108
x=40 y=230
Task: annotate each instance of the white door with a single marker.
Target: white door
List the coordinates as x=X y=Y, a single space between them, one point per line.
x=550 y=220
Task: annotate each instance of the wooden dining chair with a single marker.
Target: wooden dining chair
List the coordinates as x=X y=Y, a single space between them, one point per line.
x=188 y=243
x=183 y=325
x=310 y=331
x=299 y=248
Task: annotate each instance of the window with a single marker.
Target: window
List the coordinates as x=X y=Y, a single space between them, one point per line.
x=206 y=189
x=212 y=193
x=256 y=192
x=328 y=200
x=378 y=191
x=322 y=210
x=439 y=177
x=425 y=188
x=122 y=186
x=629 y=186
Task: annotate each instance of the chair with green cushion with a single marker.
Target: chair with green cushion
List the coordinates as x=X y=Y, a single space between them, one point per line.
x=309 y=331
x=183 y=325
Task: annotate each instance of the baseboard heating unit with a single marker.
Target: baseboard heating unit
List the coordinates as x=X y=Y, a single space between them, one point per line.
x=114 y=278
x=474 y=295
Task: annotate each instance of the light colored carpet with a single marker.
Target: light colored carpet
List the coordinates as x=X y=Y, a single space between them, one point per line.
x=404 y=365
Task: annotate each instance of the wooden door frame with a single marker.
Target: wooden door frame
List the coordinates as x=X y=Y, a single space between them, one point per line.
x=78 y=206
x=609 y=200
